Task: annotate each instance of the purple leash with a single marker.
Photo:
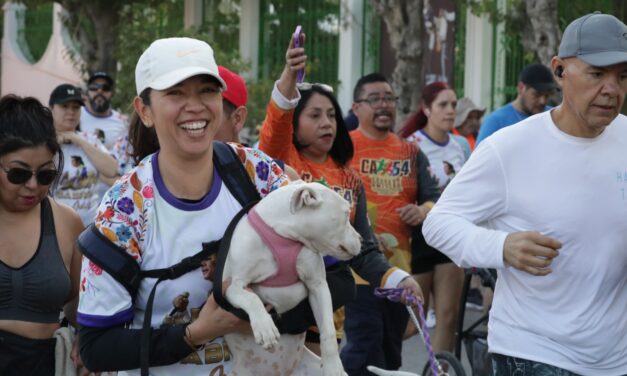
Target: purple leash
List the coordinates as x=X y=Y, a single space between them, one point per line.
x=394 y=295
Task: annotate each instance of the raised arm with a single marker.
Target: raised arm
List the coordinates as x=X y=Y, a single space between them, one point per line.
x=277 y=131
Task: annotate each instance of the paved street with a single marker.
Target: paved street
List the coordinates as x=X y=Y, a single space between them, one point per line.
x=415 y=353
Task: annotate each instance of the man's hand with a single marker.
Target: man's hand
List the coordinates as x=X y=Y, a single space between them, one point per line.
x=410 y=287
x=412 y=214
x=530 y=252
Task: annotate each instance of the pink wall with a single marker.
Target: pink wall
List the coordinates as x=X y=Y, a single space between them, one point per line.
x=21 y=77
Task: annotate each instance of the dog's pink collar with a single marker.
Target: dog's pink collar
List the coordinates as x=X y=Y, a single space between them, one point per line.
x=285 y=252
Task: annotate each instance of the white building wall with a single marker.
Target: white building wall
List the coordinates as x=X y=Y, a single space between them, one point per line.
x=478 y=59
x=249 y=36
x=55 y=67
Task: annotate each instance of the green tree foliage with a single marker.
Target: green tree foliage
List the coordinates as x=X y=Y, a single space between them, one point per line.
x=142 y=25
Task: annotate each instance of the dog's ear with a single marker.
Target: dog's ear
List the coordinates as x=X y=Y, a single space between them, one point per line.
x=304 y=196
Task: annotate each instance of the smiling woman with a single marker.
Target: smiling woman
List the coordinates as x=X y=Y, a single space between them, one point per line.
x=162 y=212
x=39 y=264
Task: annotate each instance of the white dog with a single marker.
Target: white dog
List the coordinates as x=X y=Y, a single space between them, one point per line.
x=382 y=372
x=317 y=218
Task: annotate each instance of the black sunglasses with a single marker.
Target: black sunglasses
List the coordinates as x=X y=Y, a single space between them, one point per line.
x=96 y=87
x=18 y=175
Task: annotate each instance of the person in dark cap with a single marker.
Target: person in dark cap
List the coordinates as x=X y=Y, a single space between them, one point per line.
x=544 y=202
x=97 y=115
x=535 y=86
x=87 y=158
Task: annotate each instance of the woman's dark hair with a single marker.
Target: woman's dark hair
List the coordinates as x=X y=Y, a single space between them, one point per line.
x=26 y=123
x=419 y=119
x=342 y=149
x=143 y=140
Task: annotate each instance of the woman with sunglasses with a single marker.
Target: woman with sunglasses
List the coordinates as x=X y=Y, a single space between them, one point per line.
x=430 y=127
x=86 y=157
x=304 y=127
x=162 y=212
x=39 y=263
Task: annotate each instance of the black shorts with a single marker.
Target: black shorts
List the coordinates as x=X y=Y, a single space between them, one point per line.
x=26 y=357
x=423 y=256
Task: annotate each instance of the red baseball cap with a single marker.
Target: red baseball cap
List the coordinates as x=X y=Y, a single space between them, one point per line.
x=236 y=92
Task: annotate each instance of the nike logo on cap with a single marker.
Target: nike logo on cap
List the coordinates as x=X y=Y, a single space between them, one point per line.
x=187 y=52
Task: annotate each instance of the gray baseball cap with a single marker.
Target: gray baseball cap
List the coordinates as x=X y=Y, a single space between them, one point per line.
x=597 y=39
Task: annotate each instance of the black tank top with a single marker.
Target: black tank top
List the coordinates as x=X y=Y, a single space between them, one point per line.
x=36 y=291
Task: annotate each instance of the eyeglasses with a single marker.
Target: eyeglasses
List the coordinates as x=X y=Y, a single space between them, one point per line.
x=308 y=86
x=96 y=87
x=376 y=100
x=17 y=175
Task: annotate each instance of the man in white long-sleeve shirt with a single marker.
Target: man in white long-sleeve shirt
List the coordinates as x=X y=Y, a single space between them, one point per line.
x=545 y=202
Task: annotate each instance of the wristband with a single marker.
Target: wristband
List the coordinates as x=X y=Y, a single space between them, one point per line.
x=187 y=337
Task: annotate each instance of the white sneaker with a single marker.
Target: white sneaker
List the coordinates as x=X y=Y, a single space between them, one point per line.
x=431 y=319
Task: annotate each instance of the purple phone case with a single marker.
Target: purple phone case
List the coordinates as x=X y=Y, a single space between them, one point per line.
x=300 y=75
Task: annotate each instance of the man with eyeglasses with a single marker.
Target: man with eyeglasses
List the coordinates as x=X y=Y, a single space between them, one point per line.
x=400 y=192
x=97 y=116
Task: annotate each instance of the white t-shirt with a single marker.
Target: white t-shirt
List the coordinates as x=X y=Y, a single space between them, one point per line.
x=78 y=186
x=533 y=177
x=107 y=129
x=445 y=159
x=140 y=215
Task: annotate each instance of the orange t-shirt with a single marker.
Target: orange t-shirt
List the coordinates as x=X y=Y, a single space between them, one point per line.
x=276 y=141
x=470 y=138
x=388 y=171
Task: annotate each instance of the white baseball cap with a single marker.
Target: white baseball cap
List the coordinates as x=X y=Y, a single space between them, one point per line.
x=166 y=62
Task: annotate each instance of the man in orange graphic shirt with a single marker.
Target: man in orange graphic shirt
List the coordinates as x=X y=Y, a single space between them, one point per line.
x=400 y=192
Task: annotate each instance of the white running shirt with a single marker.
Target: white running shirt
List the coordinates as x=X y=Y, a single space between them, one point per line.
x=532 y=176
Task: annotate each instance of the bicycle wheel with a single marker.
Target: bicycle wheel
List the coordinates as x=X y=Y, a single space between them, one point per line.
x=450 y=364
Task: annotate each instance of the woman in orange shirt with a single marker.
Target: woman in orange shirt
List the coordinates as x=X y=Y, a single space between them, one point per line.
x=304 y=127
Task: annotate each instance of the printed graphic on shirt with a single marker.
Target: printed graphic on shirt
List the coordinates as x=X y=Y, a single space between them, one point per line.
x=445 y=159
x=388 y=171
x=182 y=314
x=385 y=174
x=136 y=216
x=79 y=179
x=77 y=176
x=348 y=190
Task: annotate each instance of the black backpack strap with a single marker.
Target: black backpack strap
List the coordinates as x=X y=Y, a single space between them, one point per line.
x=234 y=174
x=221 y=261
x=184 y=266
x=124 y=269
x=111 y=258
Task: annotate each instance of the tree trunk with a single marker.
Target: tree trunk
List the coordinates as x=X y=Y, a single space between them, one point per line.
x=405 y=25
x=544 y=33
x=96 y=46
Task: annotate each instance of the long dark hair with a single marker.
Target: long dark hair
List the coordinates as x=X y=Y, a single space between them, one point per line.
x=26 y=123
x=143 y=140
x=419 y=119
x=342 y=149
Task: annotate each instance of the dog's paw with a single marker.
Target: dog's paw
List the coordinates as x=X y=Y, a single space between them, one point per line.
x=266 y=333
